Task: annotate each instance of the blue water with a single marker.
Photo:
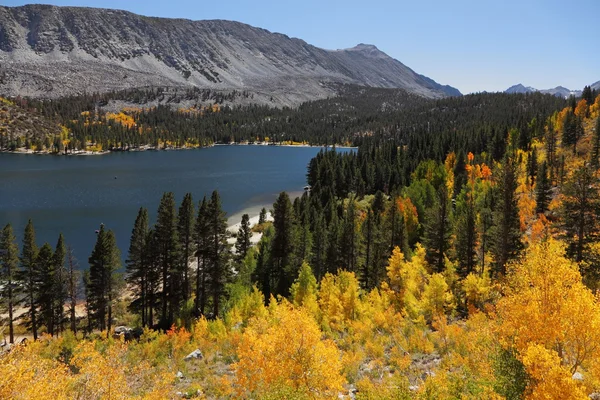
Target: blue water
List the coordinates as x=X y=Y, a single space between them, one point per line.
x=75 y=194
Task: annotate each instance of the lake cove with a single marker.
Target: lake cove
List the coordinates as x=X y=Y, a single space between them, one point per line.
x=74 y=195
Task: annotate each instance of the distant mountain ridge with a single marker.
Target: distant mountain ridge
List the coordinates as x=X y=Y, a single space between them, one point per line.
x=49 y=51
x=559 y=91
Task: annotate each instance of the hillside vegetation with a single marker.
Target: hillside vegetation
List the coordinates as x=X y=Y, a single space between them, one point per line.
x=460 y=262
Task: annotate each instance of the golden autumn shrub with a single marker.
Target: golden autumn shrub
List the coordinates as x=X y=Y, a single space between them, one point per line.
x=287 y=353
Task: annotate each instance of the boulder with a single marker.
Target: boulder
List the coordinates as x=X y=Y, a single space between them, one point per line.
x=196 y=354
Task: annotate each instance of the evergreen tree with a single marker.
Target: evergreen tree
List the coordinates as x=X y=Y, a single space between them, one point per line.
x=137 y=265
x=167 y=241
x=319 y=248
x=262 y=217
x=437 y=230
x=350 y=242
x=506 y=235
x=460 y=173
x=202 y=245
x=242 y=244
x=264 y=275
x=551 y=139
x=45 y=296
x=580 y=210
x=395 y=227
x=186 y=234
x=532 y=166
x=219 y=271
x=465 y=232
x=282 y=247
x=542 y=190
x=73 y=288
x=9 y=262
x=28 y=275
x=60 y=283
x=101 y=288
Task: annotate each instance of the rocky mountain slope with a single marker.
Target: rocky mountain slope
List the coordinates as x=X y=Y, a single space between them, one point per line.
x=559 y=91
x=49 y=51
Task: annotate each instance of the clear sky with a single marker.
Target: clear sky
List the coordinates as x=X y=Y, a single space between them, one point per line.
x=473 y=45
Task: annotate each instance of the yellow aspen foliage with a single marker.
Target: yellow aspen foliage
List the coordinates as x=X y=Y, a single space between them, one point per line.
x=339 y=299
x=526 y=204
x=250 y=305
x=437 y=298
x=100 y=376
x=595 y=108
x=478 y=290
x=304 y=290
x=581 y=110
x=407 y=281
x=290 y=356
x=551 y=380
x=547 y=304
x=26 y=375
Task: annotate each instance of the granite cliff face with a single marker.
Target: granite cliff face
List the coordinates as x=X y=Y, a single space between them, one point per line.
x=49 y=51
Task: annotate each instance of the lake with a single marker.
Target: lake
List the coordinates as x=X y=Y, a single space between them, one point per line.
x=75 y=194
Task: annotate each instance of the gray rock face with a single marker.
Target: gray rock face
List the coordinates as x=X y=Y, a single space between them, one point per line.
x=559 y=91
x=50 y=51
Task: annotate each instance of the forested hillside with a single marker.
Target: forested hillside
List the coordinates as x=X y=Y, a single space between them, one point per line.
x=453 y=255
x=160 y=118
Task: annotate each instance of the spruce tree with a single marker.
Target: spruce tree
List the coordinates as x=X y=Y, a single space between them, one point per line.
x=219 y=271
x=350 y=242
x=202 y=245
x=101 y=289
x=167 y=241
x=580 y=210
x=73 y=287
x=283 y=243
x=506 y=235
x=532 y=166
x=465 y=232
x=9 y=262
x=542 y=190
x=137 y=265
x=185 y=228
x=262 y=217
x=45 y=296
x=319 y=248
x=242 y=244
x=60 y=282
x=28 y=275
x=437 y=230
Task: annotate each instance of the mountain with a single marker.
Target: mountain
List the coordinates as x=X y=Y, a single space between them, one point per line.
x=558 y=91
x=519 y=88
x=49 y=51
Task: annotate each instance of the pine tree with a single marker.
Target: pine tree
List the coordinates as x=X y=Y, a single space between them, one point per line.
x=465 y=232
x=542 y=190
x=137 y=265
x=437 y=230
x=219 y=271
x=73 y=288
x=532 y=166
x=242 y=244
x=506 y=235
x=551 y=140
x=319 y=248
x=45 y=296
x=60 y=283
x=101 y=289
x=186 y=243
x=283 y=243
x=262 y=217
x=460 y=173
x=580 y=210
x=202 y=245
x=28 y=276
x=167 y=240
x=9 y=262
x=350 y=242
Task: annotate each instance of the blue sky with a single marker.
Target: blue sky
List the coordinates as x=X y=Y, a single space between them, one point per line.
x=474 y=45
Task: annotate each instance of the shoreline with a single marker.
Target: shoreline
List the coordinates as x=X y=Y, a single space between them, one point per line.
x=139 y=150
